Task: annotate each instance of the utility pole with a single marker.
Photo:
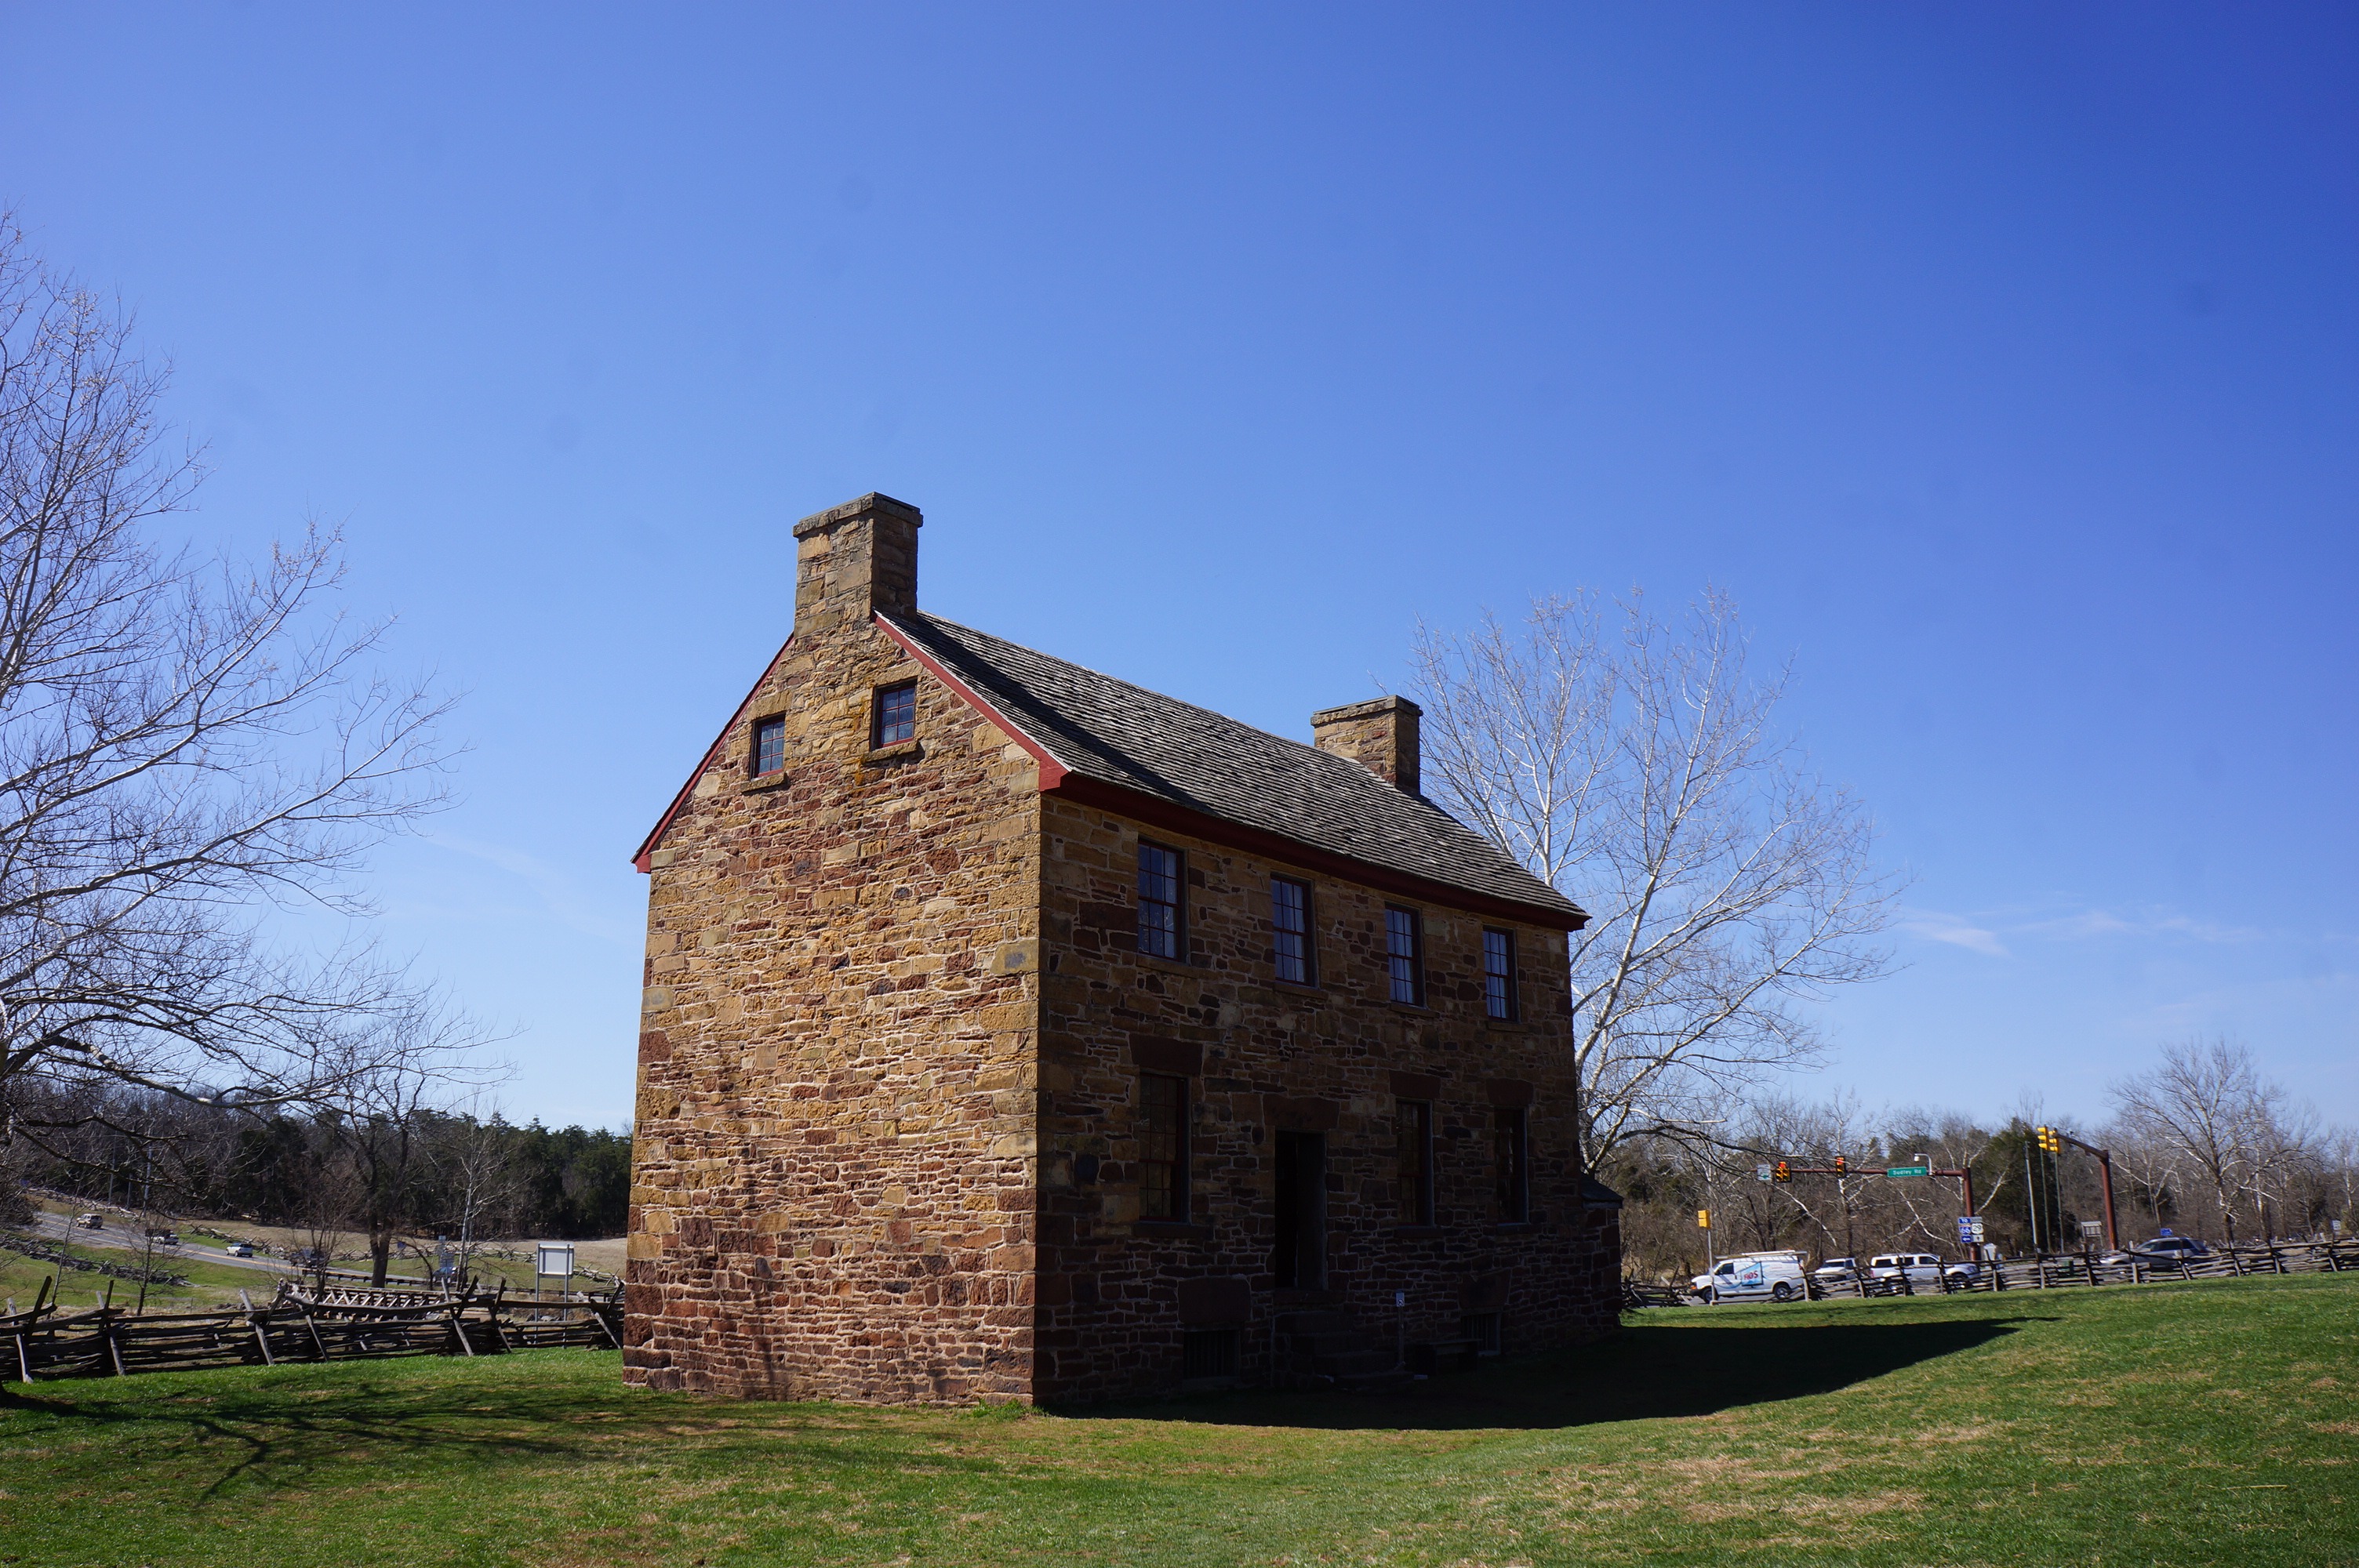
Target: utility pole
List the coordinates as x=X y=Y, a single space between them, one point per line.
x=2031 y=1199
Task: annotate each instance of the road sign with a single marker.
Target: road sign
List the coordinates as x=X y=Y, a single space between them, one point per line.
x=1970 y=1230
x=1760 y=1172
x=1910 y=1170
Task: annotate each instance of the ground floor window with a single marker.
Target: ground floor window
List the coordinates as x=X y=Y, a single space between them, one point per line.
x=1482 y=1328
x=1508 y=1163
x=1208 y=1352
x=1163 y=1147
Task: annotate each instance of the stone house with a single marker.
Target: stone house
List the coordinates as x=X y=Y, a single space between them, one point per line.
x=1014 y=1032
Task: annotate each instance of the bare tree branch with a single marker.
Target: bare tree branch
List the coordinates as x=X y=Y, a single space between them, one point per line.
x=1639 y=773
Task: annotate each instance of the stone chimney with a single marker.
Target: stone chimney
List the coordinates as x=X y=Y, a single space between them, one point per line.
x=1381 y=736
x=853 y=559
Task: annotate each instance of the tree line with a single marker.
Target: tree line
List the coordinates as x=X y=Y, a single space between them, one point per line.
x=471 y=1178
x=2200 y=1143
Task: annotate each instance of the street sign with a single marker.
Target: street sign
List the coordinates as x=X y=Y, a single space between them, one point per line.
x=2090 y=1229
x=1970 y=1230
x=1910 y=1170
x=1760 y=1172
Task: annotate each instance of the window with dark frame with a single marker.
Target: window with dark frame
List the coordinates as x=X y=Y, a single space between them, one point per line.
x=1413 y=1130
x=1290 y=917
x=1405 y=954
x=1163 y=1147
x=896 y=714
x=1499 y=973
x=1508 y=1163
x=769 y=746
x=1161 y=931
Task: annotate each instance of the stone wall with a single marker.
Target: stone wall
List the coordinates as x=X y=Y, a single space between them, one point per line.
x=1116 y=1290
x=832 y=1186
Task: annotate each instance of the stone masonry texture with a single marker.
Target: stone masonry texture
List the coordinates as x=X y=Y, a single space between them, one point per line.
x=894 y=1030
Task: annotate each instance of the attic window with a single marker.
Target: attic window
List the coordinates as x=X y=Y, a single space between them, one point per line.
x=769 y=746
x=896 y=714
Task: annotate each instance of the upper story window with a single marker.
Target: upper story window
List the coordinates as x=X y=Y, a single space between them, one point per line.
x=1163 y=1147
x=1499 y=973
x=769 y=745
x=896 y=714
x=1289 y=918
x=1405 y=954
x=1161 y=930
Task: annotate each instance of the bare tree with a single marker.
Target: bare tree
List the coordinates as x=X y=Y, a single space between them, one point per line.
x=185 y=746
x=474 y=1155
x=1728 y=886
x=2207 y=1104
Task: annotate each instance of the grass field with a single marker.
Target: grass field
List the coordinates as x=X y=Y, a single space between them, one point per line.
x=2214 y=1422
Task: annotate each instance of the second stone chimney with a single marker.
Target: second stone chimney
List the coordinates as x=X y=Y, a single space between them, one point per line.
x=1381 y=736
x=853 y=559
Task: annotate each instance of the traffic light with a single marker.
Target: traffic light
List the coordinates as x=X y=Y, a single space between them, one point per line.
x=1782 y=1173
x=1842 y=1165
x=2051 y=1140
x=1704 y=1219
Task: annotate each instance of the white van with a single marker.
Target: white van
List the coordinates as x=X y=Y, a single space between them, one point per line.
x=1776 y=1276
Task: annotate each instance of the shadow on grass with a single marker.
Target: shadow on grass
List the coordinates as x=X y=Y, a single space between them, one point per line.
x=227 y=1431
x=1641 y=1373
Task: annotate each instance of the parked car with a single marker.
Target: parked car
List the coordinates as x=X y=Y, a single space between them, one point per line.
x=240 y=1248
x=2167 y=1250
x=1835 y=1268
x=1920 y=1268
x=1776 y=1276
x=90 y=1221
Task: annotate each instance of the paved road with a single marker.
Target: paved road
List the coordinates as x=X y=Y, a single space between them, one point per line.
x=123 y=1235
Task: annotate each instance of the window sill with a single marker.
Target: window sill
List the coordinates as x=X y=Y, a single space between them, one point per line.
x=762 y=784
x=1300 y=987
x=1419 y=1232
x=1171 y=1229
x=1156 y=960
x=1515 y=1227
x=1415 y=1010
x=901 y=751
x=1507 y=1025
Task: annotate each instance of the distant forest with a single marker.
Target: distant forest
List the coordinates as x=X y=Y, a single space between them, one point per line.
x=424 y=1173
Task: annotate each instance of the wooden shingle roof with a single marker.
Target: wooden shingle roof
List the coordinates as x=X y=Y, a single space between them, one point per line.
x=1145 y=745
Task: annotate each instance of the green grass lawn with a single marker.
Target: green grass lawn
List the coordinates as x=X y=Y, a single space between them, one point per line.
x=210 y=1285
x=2214 y=1422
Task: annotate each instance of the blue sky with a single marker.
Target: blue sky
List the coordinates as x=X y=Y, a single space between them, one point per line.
x=2000 y=361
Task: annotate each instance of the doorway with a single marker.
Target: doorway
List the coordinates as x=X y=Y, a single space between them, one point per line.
x=1299 y=1261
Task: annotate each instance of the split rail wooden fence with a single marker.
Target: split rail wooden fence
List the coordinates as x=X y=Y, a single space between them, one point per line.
x=328 y=1325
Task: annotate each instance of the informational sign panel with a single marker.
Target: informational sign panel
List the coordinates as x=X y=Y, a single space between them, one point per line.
x=556 y=1258
x=2090 y=1229
x=1970 y=1230
x=1910 y=1170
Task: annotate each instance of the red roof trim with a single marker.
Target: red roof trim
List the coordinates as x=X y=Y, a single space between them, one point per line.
x=1052 y=772
x=711 y=754
x=1083 y=790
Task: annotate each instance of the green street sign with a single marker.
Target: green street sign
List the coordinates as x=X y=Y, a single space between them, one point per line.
x=1910 y=1170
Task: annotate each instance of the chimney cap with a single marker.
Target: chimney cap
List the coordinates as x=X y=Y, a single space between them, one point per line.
x=858 y=506
x=1368 y=709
